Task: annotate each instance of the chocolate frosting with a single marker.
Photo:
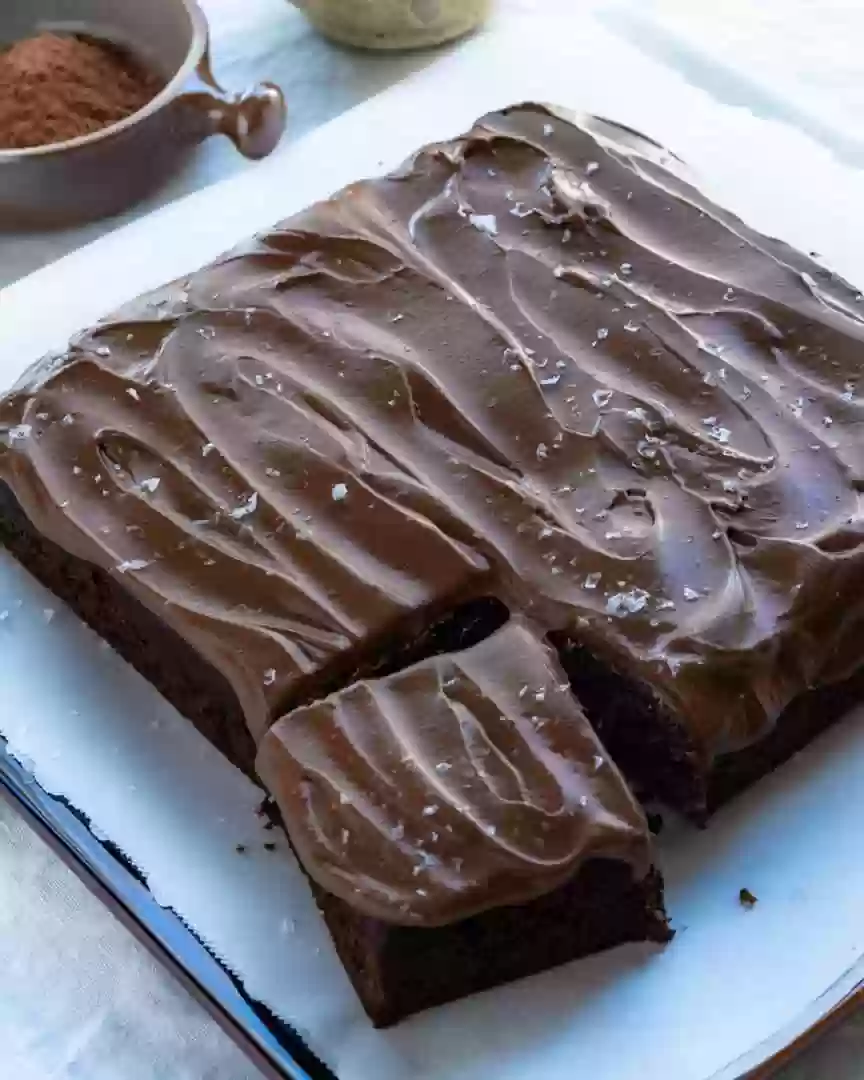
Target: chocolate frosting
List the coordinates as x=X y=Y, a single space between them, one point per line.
x=536 y=350
x=229 y=499
x=464 y=782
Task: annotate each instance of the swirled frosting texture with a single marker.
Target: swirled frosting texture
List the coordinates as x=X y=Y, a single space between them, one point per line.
x=536 y=346
x=465 y=782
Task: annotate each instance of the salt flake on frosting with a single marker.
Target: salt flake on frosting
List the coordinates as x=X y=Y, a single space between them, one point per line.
x=486 y=223
x=627 y=603
x=246 y=508
x=133 y=564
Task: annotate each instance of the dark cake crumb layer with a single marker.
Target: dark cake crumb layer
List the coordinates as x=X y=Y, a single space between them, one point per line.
x=400 y=970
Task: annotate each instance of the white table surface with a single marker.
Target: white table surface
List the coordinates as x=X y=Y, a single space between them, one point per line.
x=105 y=1010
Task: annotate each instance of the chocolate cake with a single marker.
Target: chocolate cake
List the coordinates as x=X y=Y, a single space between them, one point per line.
x=533 y=372
x=462 y=824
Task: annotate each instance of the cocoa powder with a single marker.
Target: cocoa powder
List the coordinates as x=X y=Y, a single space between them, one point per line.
x=54 y=88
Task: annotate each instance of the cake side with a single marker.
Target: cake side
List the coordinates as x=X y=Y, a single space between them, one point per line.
x=399 y=970
x=179 y=672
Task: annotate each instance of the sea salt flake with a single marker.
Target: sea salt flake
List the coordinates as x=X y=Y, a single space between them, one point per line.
x=48 y=614
x=339 y=492
x=247 y=508
x=486 y=223
x=625 y=603
x=133 y=564
x=19 y=432
x=269 y=676
x=133 y=393
x=720 y=434
x=547 y=129
x=150 y=484
x=443 y=766
x=552 y=380
x=602 y=397
x=591 y=168
x=542 y=451
x=690 y=594
x=433 y=808
x=592 y=581
x=631 y=327
x=207 y=448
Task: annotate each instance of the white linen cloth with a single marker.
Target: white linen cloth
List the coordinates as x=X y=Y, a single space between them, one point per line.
x=79 y=996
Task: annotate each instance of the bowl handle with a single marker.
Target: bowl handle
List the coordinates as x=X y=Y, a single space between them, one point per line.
x=253 y=120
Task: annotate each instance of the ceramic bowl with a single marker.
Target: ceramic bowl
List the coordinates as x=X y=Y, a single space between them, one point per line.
x=100 y=173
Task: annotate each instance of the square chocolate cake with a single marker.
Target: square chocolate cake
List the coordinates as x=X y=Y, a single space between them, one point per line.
x=532 y=394
x=461 y=824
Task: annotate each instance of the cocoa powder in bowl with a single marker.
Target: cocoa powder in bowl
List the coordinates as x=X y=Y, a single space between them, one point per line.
x=55 y=87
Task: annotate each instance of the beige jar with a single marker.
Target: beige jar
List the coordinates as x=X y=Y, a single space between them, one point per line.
x=394 y=24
